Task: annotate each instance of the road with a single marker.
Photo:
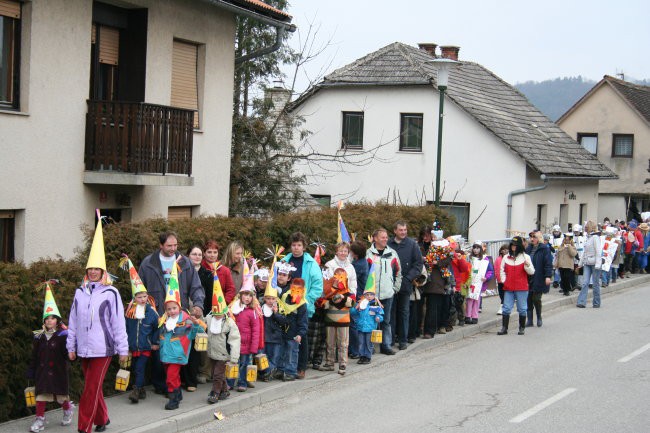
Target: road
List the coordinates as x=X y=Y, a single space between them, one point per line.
x=585 y=370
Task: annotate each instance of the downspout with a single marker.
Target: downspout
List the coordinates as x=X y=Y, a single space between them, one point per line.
x=519 y=192
x=280 y=26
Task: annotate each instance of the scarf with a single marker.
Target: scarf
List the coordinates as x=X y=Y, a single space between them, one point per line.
x=170 y=323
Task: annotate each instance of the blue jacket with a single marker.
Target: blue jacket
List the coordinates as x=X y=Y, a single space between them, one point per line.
x=274 y=328
x=365 y=319
x=410 y=260
x=543 y=263
x=143 y=333
x=313 y=277
x=175 y=345
x=361 y=268
x=297 y=322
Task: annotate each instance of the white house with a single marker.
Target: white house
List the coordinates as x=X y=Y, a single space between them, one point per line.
x=121 y=105
x=496 y=147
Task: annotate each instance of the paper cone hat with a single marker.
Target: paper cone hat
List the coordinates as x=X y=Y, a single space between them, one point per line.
x=370 y=283
x=173 y=290
x=271 y=291
x=136 y=282
x=49 y=307
x=96 y=258
x=249 y=284
x=342 y=231
x=218 y=300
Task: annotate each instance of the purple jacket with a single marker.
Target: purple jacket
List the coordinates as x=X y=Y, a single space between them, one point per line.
x=96 y=326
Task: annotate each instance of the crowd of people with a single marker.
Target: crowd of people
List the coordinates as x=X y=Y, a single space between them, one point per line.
x=275 y=322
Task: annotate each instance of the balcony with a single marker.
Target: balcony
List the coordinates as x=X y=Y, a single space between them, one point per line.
x=135 y=143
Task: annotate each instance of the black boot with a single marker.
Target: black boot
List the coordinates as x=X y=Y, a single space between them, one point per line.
x=529 y=322
x=173 y=399
x=505 y=320
x=539 y=318
x=522 y=325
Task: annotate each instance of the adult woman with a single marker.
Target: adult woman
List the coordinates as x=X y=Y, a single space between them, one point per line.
x=233 y=258
x=195 y=253
x=438 y=263
x=564 y=260
x=515 y=268
x=96 y=332
x=591 y=262
x=342 y=260
x=542 y=259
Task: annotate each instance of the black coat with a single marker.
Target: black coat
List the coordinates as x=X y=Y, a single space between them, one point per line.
x=274 y=327
x=543 y=262
x=50 y=366
x=410 y=259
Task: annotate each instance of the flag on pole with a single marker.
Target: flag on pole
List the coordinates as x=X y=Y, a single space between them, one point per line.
x=343 y=235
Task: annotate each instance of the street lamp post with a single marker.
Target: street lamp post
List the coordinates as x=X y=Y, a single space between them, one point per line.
x=443 y=66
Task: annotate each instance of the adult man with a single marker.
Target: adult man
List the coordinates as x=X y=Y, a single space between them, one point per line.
x=307 y=269
x=411 y=262
x=388 y=280
x=155 y=271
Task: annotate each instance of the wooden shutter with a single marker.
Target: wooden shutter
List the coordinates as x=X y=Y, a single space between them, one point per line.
x=10 y=8
x=109 y=45
x=179 y=212
x=185 y=92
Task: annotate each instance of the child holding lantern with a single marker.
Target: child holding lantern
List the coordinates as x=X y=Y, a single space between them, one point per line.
x=368 y=314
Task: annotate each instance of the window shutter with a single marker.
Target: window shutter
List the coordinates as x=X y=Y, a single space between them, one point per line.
x=179 y=212
x=185 y=93
x=109 y=45
x=10 y=8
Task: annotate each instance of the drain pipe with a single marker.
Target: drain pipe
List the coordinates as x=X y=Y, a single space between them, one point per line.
x=519 y=192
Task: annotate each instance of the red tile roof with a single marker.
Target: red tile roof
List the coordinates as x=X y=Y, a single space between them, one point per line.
x=263 y=8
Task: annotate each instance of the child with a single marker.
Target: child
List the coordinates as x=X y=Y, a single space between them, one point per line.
x=245 y=308
x=481 y=272
x=284 y=271
x=141 y=329
x=49 y=366
x=222 y=335
x=176 y=335
x=337 y=320
x=274 y=324
x=293 y=306
x=368 y=314
x=461 y=269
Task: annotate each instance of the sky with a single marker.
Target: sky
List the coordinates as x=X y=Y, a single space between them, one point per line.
x=517 y=40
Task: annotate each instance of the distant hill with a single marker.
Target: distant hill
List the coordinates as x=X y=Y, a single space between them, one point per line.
x=555 y=97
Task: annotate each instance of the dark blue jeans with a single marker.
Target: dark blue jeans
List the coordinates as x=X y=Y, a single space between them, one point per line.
x=139 y=367
x=244 y=361
x=289 y=363
x=273 y=353
x=365 y=345
x=353 y=348
x=386 y=331
x=400 y=320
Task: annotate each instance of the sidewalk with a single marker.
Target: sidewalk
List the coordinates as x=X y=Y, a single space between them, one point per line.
x=150 y=416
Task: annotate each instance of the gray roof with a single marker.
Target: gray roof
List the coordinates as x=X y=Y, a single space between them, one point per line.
x=495 y=104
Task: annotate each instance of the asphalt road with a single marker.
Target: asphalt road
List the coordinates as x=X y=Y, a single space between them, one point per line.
x=585 y=370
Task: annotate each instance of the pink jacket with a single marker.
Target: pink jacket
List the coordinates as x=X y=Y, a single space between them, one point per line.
x=249 y=329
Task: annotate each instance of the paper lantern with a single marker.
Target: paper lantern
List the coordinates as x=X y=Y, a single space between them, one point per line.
x=201 y=342
x=251 y=373
x=122 y=379
x=30 y=396
x=376 y=336
x=127 y=363
x=232 y=370
x=261 y=361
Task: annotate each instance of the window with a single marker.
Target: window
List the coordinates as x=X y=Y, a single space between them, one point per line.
x=622 y=145
x=185 y=89
x=410 y=132
x=323 y=200
x=175 y=213
x=582 y=216
x=352 y=130
x=541 y=217
x=7 y=235
x=461 y=212
x=9 y=53
x=589 y=141
x=104 y=72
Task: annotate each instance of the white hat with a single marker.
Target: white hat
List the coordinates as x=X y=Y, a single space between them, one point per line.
x=262 y=274
x=577 y=228
x=556 y=228
x=285 y=268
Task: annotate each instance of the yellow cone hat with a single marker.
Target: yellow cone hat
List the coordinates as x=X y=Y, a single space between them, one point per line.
x=49 y=307
x=96 y=258
x=173 y=289
x=218 y=300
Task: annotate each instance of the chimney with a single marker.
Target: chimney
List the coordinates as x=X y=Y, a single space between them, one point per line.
x=450 y=52
x=429 y=47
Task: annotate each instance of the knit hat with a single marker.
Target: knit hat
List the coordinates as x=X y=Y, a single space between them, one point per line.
x=136 y=282
x=173 y=289
x=218 y=300
x=370 y=282
x=96 y=258
x=49 y=306
x=556 y=228
x=632 y=224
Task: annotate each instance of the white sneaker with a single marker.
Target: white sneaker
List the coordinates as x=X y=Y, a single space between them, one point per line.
x=67 y=415
x=38 y=425
x=500 y=311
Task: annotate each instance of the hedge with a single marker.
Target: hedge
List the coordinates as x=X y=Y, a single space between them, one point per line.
x=21 y=304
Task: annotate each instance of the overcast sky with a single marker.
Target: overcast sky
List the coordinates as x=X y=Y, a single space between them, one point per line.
x=517 y=40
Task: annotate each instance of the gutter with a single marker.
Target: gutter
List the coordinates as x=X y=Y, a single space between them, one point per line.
x=280 y=28
x=519 y=192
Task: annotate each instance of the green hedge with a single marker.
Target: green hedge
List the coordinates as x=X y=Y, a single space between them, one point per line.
x=21 y=304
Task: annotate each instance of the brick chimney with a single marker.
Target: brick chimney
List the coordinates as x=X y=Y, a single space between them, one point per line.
x=429 y=47
x=449 y=52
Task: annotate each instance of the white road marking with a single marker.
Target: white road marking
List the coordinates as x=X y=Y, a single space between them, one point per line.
x=543 y=405
x=635 y=353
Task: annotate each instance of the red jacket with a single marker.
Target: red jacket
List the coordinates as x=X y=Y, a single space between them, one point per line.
x=461 y=271
x=516 y=272
x=248 y=323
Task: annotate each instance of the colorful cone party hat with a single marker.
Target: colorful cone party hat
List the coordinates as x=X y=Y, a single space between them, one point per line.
x=136 y=282
x=271 y=286
x=173 y=290
x=49 y=306
x=343 y=235
x=249 y=284
x=96 y=258
x=370 y=283
x=218 y=300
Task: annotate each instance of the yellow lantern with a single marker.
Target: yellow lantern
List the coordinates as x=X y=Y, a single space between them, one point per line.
x=251 y=373
x=126 y=364
x=261 y=361
x=201 y=342
x=30 y=396
x=122 y=379
x=232 y=370
x=376 y=336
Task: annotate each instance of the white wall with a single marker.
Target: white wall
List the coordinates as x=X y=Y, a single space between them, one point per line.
x=43 y=147
x=612 y=206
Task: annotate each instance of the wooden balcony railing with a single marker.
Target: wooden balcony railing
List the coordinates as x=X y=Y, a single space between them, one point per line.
x=138 y=138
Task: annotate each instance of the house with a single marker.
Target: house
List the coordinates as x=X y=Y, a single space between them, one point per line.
x=612 y=121
x=121 y=105
x=505 y=166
